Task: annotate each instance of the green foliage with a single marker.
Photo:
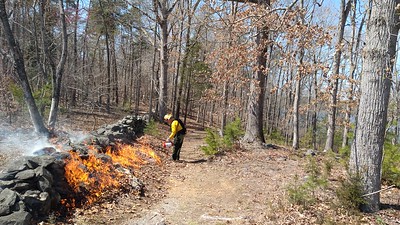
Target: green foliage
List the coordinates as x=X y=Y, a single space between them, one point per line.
x=329 y=162
x=299 y=194
x=232 y=132
x=345 y=152
x=303 y=193
x=213 y=141
x=349 y=193
x=277 y=137
x=316 y=178
x=43 y=98
x=152 y=128
x=17 y=93
x=216 y=143
x=391 y=164
x=306 y=140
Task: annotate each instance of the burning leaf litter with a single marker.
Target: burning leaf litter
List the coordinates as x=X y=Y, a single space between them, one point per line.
x=92 y=175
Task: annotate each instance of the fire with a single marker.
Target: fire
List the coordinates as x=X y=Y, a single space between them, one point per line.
x=91 y=176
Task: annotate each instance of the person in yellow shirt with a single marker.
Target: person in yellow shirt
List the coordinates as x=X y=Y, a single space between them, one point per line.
x=178 y=131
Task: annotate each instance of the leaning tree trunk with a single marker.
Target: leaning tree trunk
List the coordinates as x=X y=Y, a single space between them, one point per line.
x=367 y=148
x=22 y=78
x=57 y=78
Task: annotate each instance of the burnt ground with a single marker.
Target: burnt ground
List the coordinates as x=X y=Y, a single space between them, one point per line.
x=245 y=186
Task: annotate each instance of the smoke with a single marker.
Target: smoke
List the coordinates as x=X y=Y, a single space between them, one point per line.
x=25 y=142
x=21 y=141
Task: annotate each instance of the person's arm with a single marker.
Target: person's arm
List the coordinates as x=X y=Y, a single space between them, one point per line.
x=174 y=129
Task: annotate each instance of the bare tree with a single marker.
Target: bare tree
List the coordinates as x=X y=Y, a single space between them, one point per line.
x=255 y=109
x=354 y=49
x=22 y=78
x=57 y=77
x=379 y=54
x=163 y=9
x=345 y=9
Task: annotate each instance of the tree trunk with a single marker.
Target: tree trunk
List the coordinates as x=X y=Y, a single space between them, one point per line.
x=345 y=8
x=153 y=73
x=107 y=40
x=22 y=78
x=354 y=47
x=163 y=89
x=255 y=109
x=162 y=20
x=367 y=148
x=296 y=103
x=55 y=100
x=297 y=95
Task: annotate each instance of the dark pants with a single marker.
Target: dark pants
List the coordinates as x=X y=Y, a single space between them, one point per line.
x=178 y=141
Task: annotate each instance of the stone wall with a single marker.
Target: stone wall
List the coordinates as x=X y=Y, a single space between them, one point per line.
x=32 y=186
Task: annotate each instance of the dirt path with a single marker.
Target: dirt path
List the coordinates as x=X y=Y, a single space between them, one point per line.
x=238 y=189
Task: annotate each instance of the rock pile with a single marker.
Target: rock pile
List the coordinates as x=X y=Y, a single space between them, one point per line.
x=32 y=186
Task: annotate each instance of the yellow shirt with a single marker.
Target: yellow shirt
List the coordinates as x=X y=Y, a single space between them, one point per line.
x=175 y=127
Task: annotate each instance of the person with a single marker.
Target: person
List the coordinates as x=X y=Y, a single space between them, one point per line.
x=178 y=131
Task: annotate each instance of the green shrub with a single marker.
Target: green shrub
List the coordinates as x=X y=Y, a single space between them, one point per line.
x=277 y=137
x=152 y=128
x=300 y=194
x=350 y=193
x=316 y=178
x=213 y=141
x=17 y=92
x=303 y=193
x=232 y=133
x=391 y=164
x=345 y=152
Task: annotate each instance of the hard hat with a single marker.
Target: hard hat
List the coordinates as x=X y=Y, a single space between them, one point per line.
x=167 y=116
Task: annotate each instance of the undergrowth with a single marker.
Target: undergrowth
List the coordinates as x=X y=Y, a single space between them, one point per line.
x=215 y=143
x=349 y=194
x=302 y=192
x=152 y=129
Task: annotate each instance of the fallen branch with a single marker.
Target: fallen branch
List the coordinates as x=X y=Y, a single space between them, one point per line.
x=390 y=187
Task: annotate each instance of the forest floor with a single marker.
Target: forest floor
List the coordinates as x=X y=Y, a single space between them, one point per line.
x=245 y=186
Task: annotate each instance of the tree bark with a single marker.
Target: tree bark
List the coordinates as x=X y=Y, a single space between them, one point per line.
x=255 y=109
x=57 y=78
x=345 y=8
x=354 y=47
x=162 y=20
x=379 y=53
x=297 y=95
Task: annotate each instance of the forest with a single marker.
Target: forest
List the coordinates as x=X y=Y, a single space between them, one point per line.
x=312 y=74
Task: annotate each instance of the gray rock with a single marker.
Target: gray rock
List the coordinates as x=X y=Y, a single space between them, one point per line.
x=8 y=175
x=44 y=184
x=7 y=183
x=25 y=175
x=16 y=218
x=44 y=161
x=42 y=172
x=22 y=187
x=310 y=152
x=17 y=166
x=8 y=199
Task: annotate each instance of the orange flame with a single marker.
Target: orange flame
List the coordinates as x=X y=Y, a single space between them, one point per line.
x=92 y=176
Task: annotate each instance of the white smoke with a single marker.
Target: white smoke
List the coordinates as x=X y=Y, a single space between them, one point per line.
x=21 y=142
x=27 y=142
